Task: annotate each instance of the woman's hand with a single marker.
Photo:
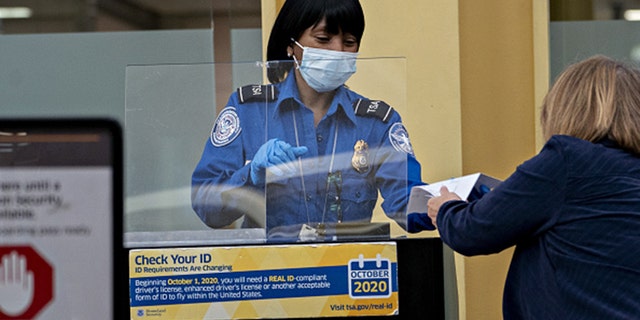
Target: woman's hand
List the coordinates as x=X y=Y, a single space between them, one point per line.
x=434 y=204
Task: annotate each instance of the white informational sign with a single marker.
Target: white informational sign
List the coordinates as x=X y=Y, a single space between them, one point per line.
x=53 y=216
x=57 y=211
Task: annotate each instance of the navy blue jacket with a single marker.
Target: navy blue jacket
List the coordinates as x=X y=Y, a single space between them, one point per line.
x=573 y=212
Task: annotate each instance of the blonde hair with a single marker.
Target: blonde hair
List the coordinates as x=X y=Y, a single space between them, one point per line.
x=594 y=99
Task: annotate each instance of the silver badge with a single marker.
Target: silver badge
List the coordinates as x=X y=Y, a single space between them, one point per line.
x=226 y=128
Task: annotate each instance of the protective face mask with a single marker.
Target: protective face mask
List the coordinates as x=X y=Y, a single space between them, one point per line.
x=325 y=70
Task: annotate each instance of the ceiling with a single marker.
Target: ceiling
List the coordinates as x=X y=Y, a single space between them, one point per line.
x=612 y=9
x=117 y=15
x=122 y=15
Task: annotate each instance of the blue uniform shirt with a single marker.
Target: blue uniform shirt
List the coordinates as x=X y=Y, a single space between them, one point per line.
x=222 y=187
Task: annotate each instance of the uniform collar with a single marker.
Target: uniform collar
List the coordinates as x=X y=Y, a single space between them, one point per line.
x=289 y=97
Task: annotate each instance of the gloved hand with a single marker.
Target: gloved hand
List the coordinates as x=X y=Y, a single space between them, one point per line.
x=277 y=156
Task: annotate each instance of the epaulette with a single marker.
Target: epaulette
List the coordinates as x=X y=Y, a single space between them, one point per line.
x=256 y=92
x=372 y=108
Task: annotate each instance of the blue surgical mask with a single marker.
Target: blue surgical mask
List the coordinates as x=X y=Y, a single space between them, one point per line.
x=325 y=70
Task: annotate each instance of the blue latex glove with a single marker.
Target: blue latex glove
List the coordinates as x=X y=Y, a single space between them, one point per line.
x=277 y=156
x=417 y=222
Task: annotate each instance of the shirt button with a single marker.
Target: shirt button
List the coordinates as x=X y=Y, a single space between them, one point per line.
x=308 y=197
x=358 y=194
x=319 y=138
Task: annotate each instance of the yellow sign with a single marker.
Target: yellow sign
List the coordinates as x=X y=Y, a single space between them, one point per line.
x=283 y=281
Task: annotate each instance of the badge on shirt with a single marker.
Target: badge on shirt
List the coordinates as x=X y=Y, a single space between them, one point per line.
x=399 y=138
x=360 y=159
x=226 y=128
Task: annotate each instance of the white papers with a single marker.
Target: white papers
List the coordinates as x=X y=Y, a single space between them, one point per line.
x=462 y=186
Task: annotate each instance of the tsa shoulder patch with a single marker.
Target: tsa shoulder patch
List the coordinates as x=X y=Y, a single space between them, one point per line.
x=373 y=108
x=257 y=92
x=399 y=138
x=226 y=128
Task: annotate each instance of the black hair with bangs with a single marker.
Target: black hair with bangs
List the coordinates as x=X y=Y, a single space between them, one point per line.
x=298 y=15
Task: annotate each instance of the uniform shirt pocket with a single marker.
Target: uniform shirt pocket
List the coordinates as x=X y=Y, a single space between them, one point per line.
x=359 y=196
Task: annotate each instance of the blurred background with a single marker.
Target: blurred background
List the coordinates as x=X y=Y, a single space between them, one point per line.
x=46 y=16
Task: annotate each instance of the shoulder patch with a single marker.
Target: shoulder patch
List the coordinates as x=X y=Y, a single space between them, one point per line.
x=399 y=138
x=226 y=128
x=256 y=92
x=372 y=108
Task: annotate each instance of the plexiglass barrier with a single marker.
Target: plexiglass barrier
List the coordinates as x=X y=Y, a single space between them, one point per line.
x=264 y=166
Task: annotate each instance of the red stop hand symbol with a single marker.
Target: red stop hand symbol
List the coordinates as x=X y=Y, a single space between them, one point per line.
x=26 y=283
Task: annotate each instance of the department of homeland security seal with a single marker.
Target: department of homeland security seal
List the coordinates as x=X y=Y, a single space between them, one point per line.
x=399 y=138
x=226 y=128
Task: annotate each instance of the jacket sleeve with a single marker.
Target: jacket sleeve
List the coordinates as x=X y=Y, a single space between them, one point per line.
x=222 y=190
x=398 y=172
x=521 y=207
